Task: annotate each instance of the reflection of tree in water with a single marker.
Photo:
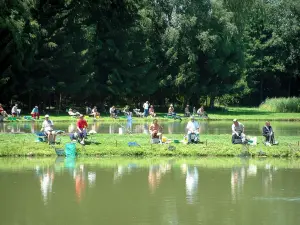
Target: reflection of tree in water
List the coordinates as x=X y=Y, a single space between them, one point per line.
x=46 y=178
x=191 y=184
x=155 y=174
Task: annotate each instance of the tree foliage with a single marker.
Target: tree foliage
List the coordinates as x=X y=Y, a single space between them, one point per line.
x=58 y=52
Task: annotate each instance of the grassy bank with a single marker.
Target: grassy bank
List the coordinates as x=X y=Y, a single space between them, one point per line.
x=117 y=145
x=20 y=163
x=227 y=114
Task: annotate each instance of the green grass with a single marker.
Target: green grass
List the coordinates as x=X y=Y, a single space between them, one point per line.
x=282 y=105
x=21 y=163
x=227 y=114
x=117 y=145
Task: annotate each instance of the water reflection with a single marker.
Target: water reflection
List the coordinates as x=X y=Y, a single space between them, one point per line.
x=79 y=178
x=84 y=177
x=176 y=127
x=152 y=191
x=237 y=182
x=122 y=170
x=46 y=178
x=156 y=173
x=191 y=182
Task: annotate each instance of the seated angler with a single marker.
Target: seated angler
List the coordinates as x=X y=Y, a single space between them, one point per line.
x=2 y=111
x=238 y=135
x=193 y=130
x=47 y=127
x=82 y=129
x=35 y=113
x=187 y=111
x=151 y=111
x=155 y=130
x=268 y=133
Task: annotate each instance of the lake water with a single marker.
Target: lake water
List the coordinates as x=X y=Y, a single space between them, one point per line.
x=131 y=191
x=207 y=127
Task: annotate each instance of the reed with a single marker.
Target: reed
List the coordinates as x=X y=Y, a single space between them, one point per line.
x=282 y=105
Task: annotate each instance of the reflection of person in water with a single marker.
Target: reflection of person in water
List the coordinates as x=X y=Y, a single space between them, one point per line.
x=237 y=182
x=155 y=174
x=79 y=182
x=129 y=125
x=71 y=128
x=46 y=181
x=268 y=178
x=91 y=178
x=146 y=128
x=191 y=183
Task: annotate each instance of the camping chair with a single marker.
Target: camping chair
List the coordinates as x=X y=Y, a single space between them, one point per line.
x=155 y=140
x=195 y=138
x=42 y=137
x=138 y=113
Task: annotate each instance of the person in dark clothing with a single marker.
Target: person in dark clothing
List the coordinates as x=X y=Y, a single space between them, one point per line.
x=268 y=133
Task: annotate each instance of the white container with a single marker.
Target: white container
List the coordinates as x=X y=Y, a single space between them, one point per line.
x=121 y=130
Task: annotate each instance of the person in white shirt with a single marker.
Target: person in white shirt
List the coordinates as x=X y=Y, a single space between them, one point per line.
x=14 y=110
x=146 y=108
x=238 y=130
x=47 y=127
x=193 y=128
x=95 y=112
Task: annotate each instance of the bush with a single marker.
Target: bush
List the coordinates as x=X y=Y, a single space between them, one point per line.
x=281 y=104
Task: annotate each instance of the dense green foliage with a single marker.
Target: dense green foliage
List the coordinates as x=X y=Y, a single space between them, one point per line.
x=282 y=105
x=63 y=52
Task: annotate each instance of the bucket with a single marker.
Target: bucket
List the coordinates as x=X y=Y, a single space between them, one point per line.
x=70 y=149
x=121 y=130
x=164 y=139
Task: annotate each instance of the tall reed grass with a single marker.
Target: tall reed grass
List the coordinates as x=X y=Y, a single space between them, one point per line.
x=282 y=105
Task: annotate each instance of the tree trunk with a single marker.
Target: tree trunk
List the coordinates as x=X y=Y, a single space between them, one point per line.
x=30 y=100
x=261 y=91
x=212 y=102
x=59 y=106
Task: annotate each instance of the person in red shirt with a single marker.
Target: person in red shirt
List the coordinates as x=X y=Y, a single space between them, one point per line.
x=81 y=127
x=2 y=112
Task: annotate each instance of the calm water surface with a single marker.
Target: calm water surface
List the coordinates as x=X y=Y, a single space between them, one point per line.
x=109 y=191
x=207 y=127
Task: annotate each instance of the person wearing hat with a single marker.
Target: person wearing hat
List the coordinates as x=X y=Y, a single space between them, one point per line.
x=35 y=113
x=81 y=127
x=238 y=131
x=193 y=128
x=47 y=127
x=187 y=111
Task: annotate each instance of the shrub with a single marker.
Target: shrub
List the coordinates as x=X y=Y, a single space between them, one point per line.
x=281 y=104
